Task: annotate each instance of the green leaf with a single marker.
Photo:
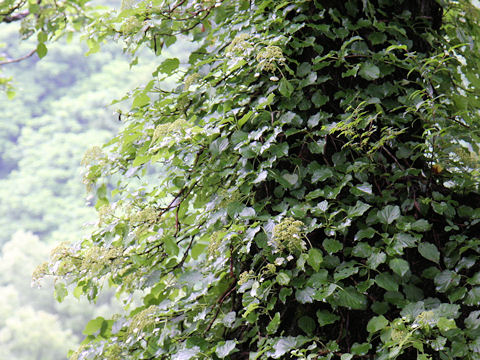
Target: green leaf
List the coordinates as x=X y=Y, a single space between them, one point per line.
x=351 y=298
x=386 y=281
x=376 y=259
x=290 y=178
x=93 y=326
x=33 y=8
x=284 y=293
x=363 y=286
x=402 y=240
x=319 y=278
x=439 y=208
x=78 y=291
x=313 y=120
x=289 y=118
x=377 y=38
x=265 y=101
x=473 y=297
x=377 y=323
x=332 y=246
x=186 y=354
x=421 y=225
x=170 y=246
x=304 y=69
x=457 y=294
x=234 y=208
x=283 y=278
x=325 y=317
x=317 y=147
x=446 y=280
x=305 y=295
x=229 y=319
x=197 y=250
x=389 y=214
x=260 y=177
x=319 y=99
x=140 y=160
x=42 y=37
x=93 y=47
x=218 y=146
x=282 y=346
x=362 y=250
x=429 y=251
x=315 y=258
x=245 y=118
x=168 y=66
x=369 y=71
x=60 y=291
x=141 y=100
x=351 y=72
x=273 y=324
x=367 y=233
x=225 y=349
x=285 y=88
x=399 y=266
x=344 y=272
x=360 y=349
x=358 y=210
x=321 y=174
x=41 y=50
x=445 y=324
x=362 y=190
x=10 y=94
x=472 y=322
x=307 y=324
x=322 y=206
x=311 y=79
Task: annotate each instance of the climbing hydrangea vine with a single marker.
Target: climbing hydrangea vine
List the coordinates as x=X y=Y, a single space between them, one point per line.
x=308 y=190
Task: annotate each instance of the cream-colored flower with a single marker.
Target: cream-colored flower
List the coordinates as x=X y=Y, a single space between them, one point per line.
x=190 y=79
x=92 y=155
x=239 y=44
x=244 y=277
x=142 y=320
x=269 y=57
x=163 y=130
x=288 y=234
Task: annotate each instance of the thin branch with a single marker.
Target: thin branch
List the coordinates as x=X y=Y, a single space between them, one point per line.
x=11 y=61
x=177 y=223
x=393 y=158
x=460 y=123
x=16 y=17
x=180 y=3
x=13 y=9
x=219 y=306
x=180 y=264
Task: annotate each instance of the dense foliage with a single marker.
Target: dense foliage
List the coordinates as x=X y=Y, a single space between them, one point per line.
x=59 y=110
x=317 y=196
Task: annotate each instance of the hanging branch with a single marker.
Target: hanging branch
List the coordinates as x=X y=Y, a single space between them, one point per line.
x=10 y=61
x=16 y=17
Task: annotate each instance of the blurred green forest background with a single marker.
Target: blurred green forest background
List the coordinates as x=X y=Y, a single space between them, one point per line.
x=60 y=110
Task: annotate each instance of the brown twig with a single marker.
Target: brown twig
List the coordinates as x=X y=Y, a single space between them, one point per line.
x=180 y=3
x=16 y=17
x=184 y=255
x=232 y=274
x=177 y=223
x=13 y=9
x=220 y=302
x=11 y=61
x=393 y=158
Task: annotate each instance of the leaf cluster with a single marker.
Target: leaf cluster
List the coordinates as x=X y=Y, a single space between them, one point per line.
x=309 y=190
